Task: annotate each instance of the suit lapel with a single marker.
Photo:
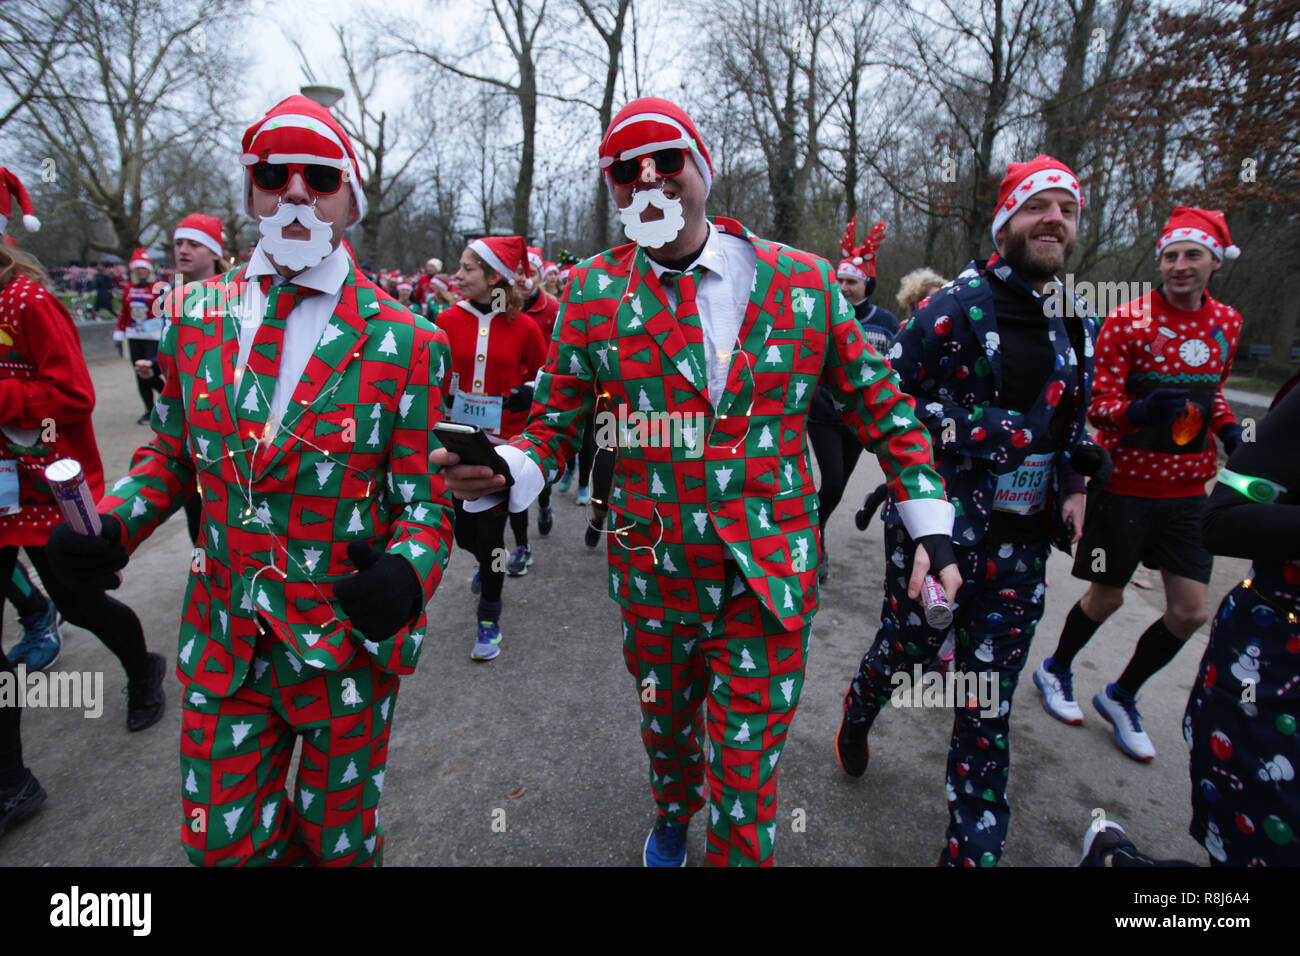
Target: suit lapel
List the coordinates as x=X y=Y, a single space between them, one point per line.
x=338 y=347
x=760 y=317
x=222 y=396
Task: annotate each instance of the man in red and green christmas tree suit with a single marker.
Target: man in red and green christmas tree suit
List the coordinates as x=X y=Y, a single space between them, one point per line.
x=709 y=343
x=1162 y=360
x=299 y=397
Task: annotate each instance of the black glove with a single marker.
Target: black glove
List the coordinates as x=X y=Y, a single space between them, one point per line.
x=520 y=399
x=88 y=562
x=938 y=547
x=1094 y=462
x=1161 y=407
x=1230 y=435
x=384 y=596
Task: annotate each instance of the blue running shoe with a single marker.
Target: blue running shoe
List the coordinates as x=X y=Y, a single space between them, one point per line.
x=519 y=561
x=584 y=495
x=666 y=845
x=565 y=482
x=488 y=644
x=1120 y=711
x=42 y=641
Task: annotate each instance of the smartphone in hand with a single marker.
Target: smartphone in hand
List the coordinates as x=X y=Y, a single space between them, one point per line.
x=471 y=445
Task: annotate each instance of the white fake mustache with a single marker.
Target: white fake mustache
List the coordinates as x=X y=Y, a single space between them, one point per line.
x=659 y=232
x=296 y=254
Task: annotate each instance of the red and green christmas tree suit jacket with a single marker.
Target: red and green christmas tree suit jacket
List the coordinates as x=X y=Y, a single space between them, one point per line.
x=740 y=483
x=349 y=463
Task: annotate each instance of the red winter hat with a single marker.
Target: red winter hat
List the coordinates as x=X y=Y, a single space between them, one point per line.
x=1025 y=179
x=649 y=124
x=535 y=259
x=11 y=188
x=404 y=284
x=860 y=262
x=1204 y=226
x=140 y=260
x=506 y=254
x=299 y=130
x=205 y=230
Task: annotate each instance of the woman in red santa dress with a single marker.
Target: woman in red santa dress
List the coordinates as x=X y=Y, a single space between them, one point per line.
x=46 y=399
x=496 y=353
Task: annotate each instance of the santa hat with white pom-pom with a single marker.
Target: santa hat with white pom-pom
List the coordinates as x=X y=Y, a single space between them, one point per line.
x=11 y=188
x=1206 y=227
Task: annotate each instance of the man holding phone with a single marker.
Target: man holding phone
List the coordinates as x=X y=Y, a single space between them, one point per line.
x=299 y=399
x=707 y=343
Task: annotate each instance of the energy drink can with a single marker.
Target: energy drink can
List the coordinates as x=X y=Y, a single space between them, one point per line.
x=73 y=495
x=938 y=612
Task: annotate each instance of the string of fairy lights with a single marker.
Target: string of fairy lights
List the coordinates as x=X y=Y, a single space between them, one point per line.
x=278 y=546
x=267 y=438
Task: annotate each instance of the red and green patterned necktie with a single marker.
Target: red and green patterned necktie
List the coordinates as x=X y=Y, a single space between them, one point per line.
x=257 y=381
x=688 y=320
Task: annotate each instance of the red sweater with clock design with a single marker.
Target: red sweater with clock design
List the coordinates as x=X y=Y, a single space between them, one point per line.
x=1148 y=344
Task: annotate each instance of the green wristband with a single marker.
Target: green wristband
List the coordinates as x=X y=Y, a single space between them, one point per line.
x=1256 y=489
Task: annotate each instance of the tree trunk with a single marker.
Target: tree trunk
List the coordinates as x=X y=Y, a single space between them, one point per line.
x=528 y=108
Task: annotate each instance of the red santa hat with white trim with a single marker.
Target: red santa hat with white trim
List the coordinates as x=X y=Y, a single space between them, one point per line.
x=205 y=230
x=859 y=262
x=505 y=254
x=404 y=283
x=299 y=130
x=1208 y=227
x=140 y=260
x=647 y=125
x=1025 y=179
x=11 y=188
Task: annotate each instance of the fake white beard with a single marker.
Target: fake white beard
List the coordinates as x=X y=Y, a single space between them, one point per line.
x=658 y=232
x=296 y=254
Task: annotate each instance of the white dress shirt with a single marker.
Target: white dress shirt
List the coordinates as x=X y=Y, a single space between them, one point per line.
x=722 y=296
x=304 y=325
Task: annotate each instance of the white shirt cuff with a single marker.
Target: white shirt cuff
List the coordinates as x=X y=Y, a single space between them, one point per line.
x=529 y=482
x=922 y=516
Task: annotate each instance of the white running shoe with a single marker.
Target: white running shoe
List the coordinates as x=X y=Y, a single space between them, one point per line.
x=1058 y=694
x=1123 y=716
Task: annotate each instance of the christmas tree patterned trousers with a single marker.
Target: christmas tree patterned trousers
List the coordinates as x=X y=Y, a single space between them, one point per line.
x=235 y=754
x=1241 y=727
x=737 y=677
x=998 y=606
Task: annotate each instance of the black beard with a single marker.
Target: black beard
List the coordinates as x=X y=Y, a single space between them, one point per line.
x=1026 y=265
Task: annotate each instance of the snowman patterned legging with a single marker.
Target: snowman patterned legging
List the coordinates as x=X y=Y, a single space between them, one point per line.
x=998 y=606
x=1241 y=727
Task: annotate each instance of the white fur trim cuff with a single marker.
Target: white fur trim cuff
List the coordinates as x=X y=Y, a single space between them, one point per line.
x=922 y=516
x=529 y=482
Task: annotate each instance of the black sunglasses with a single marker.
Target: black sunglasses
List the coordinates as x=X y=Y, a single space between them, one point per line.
x=274 y=177
x=668 y=162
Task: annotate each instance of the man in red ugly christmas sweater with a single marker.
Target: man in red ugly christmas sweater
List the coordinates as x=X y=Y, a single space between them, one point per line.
x=1161 y=363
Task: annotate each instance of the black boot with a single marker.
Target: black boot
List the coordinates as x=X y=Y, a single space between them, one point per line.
x=145 y=700
x=20 y=801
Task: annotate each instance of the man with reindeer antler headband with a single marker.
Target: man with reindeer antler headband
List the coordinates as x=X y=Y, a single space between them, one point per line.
x=836 y=447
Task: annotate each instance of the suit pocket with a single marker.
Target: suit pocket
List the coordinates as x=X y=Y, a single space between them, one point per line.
x=639 y=521
x=792 y=507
